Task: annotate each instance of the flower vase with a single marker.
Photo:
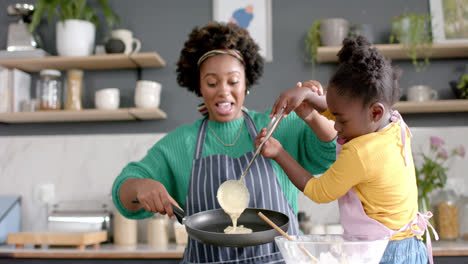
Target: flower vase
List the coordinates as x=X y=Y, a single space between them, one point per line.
x=423 y=205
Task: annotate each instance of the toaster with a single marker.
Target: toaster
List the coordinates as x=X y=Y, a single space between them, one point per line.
x=80 y=216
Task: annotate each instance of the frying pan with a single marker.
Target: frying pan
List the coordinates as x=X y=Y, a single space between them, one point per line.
x=208 y=226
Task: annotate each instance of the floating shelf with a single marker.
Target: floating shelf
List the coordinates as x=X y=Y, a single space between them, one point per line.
x=94 y=62
x=398 y=52
x=439 y=106
x=86 y=115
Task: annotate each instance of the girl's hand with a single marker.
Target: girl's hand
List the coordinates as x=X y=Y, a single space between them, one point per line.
x=293 y=98
x=271 y=148
x=153 y=196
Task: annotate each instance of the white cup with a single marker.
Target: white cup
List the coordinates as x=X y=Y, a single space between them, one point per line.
x=147 y=94
x=127 y=38
x=107 y=99
x=421 y=93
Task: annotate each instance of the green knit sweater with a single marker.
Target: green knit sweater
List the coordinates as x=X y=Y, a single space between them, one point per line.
x=169 y=161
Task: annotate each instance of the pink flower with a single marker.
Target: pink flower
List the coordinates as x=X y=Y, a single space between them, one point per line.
x=461 y=151
x=442 y=153
x=436 y=142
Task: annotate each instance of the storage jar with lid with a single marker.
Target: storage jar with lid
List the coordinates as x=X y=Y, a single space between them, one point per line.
x=446 y=215
x=49 y=90
x=463 y=225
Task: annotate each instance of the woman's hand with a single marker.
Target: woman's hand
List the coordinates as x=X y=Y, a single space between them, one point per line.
x=271 y=149
x=305 y=96
x=151 y=195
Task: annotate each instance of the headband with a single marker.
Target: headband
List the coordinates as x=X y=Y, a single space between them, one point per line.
x=233 y=52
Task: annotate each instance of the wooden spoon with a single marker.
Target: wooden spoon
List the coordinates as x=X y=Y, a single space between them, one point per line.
x=301 y=246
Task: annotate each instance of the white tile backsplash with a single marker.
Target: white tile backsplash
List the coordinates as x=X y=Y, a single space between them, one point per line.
x=83 y=167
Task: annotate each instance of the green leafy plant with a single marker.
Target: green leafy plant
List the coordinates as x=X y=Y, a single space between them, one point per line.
x=463 y=86
x=312 y=42
x=433 y=173
x=413 y=32
x=71 y=9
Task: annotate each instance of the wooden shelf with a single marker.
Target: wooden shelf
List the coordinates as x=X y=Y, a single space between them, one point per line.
x=439 y=106
x=94 y=62
x=397 y=51
x=86 y=115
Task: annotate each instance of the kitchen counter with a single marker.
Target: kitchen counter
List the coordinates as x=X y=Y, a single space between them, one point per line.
x=105 y=251
x=444 y=248
x=172 y=251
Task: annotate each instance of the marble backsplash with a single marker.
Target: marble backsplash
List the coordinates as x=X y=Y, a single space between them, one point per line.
x=83 y=167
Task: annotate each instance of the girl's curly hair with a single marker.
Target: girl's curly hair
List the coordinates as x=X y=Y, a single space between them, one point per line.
x=364 y=73
x=215 y=36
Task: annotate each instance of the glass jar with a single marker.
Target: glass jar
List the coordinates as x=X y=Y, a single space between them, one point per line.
x=158 y=231
x=74 y=90
x=446 y=212
x=49 y=90
x=463 y=205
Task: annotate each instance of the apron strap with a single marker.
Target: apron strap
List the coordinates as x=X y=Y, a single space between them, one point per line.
x=202 y=134
x=200 y=139
x=396 y=117
x=422 y=221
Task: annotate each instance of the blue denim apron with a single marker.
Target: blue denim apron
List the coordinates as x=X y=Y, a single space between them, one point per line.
x=208 y=174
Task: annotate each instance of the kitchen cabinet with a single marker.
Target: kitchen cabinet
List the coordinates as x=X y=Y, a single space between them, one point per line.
x=95 y=62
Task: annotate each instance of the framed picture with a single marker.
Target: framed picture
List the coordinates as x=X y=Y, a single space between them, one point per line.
x=449 y=19
x=254 y=15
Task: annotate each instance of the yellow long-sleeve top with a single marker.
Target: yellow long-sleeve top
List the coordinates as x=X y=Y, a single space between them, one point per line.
x=374 y=165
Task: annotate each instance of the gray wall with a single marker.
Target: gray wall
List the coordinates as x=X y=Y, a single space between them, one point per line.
x=163 y=26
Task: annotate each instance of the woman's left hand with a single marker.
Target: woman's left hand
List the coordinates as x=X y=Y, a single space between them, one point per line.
x=271 y=148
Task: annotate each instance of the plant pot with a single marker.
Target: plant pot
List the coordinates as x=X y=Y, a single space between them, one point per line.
x=75 y=37
x=333 y=31
x=410 y=30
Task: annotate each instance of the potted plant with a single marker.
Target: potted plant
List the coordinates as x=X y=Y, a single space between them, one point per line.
x=432 y=174
x=413 y=32
x=76 y=28
x=312 y=42
x=461 y=88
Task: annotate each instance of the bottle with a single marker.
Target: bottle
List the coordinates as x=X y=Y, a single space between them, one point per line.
x=74 y=90
x=49 y=90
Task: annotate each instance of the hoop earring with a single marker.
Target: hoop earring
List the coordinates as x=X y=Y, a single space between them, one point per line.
x=202 y=109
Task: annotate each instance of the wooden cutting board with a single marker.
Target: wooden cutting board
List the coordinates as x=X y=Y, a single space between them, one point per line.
x=78 y=239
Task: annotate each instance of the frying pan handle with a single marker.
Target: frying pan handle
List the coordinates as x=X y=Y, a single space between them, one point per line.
x=179 y=213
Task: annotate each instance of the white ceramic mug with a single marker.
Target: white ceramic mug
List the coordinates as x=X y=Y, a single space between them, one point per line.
x=107 y=99
x=147 y=94
x=421 y=93
x=127 y=38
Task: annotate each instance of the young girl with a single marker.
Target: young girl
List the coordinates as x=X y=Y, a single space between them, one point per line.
x=373 y=177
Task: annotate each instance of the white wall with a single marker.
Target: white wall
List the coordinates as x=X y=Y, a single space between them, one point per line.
x=83 y=167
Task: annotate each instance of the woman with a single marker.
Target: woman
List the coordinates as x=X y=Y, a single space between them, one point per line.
x=220 y=62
